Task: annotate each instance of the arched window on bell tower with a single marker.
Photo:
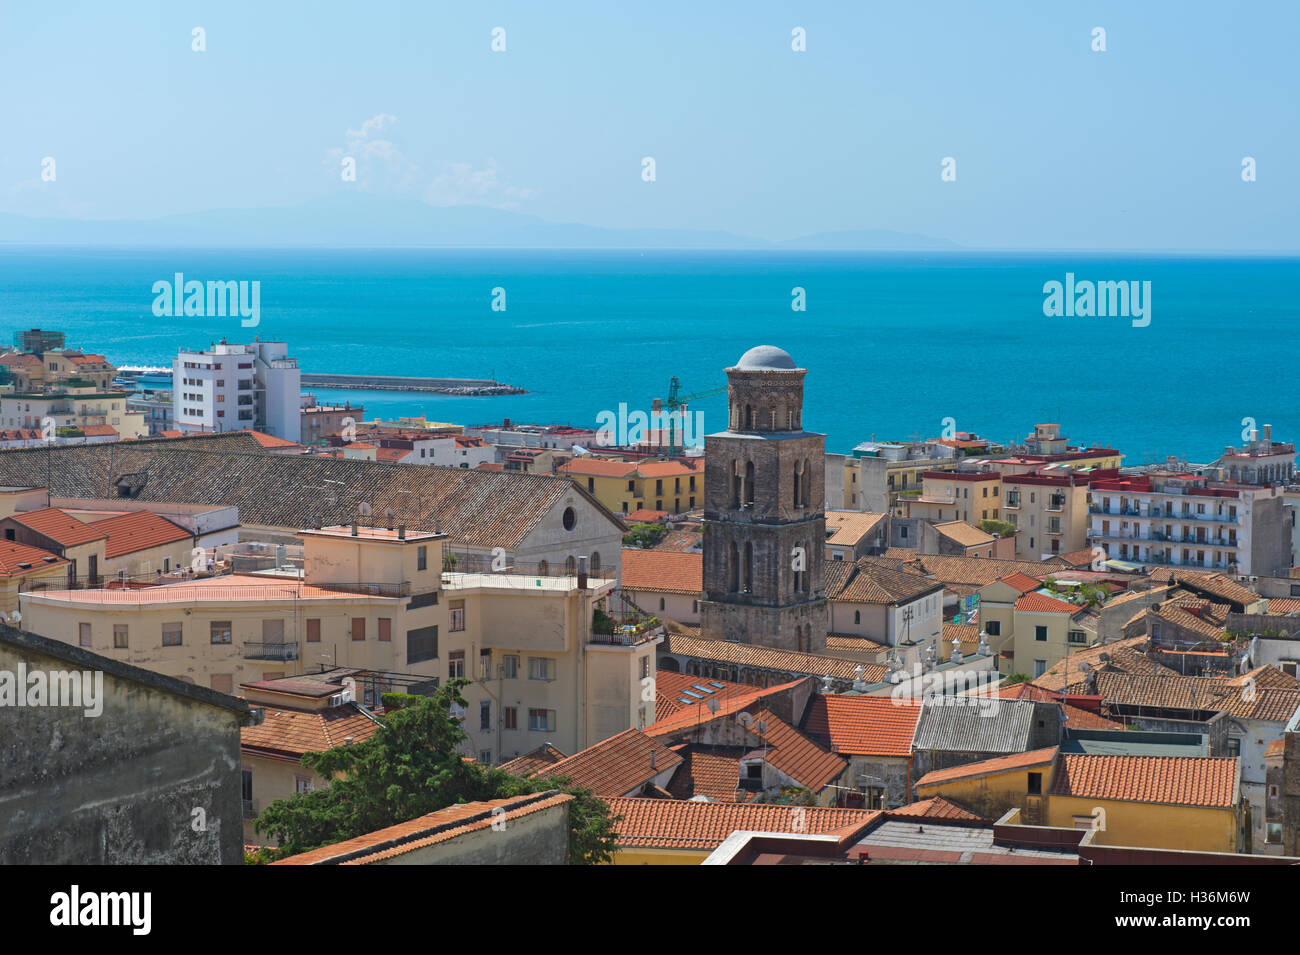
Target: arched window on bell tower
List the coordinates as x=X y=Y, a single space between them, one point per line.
x=749 y=567
x=735 y=484
x=749 y=484
x=798 y=481
x=733 y=568
x=806 y=483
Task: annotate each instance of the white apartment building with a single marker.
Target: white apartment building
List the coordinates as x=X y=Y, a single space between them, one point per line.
x=238 y=387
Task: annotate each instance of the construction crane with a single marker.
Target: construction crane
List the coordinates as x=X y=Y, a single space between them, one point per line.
x=677 y=402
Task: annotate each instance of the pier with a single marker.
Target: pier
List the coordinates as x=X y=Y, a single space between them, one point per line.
x=441 y=386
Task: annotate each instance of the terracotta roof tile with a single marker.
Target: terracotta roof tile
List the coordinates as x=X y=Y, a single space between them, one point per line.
x=1206 y=781
x=295 y=732
x=847 y=528
x=59 y=526
x=1076 y=717
x=139 y=530
x=936 y=807
x=685 y=824
x=675 y=692
x=617 y=766
x=661 y=571
x=990 y=767
x=436 y=827
x=790 y=661
x=1041 y=603
x=18 y=559
x=687 y=718
x=862 y=725
x=795 y=755
x=708 y=771
x=533 y=760
x=866 y=582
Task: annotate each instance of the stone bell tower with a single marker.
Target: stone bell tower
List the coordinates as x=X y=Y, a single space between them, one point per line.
x=764 y=512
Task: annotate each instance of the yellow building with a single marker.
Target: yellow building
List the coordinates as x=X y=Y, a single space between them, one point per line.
x=1050 y=513
x=24 y=568
x=75 y=407
x=1191 y=803
x=1045 y=630
x=675 y=486
x=957 y=496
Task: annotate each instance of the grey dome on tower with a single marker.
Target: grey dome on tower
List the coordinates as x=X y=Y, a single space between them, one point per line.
x=762 y=357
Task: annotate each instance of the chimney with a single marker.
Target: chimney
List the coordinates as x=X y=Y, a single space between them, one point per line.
x=354 y=529
x=401 y=532
x=1268 y=434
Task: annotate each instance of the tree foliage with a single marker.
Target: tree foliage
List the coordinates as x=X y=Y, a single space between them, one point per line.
x=644 y=535
x=409 y=768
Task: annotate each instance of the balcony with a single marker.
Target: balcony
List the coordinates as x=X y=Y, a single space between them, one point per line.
x=261 y=650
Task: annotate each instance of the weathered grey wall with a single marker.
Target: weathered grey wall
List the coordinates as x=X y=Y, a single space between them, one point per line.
x=121 y=787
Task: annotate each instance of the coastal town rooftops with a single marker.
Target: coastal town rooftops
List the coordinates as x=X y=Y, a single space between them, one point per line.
x=17 y=560
x=688 y=824
x=766 y=658
x=848 y=528
x=476 y=508
x=389 y=534
x=967 y=535
x=866 y=582
x=936 y=807
x=662 y=571
x=862 y=725
x=1199 y=694
x=688 y=717
x=1042 y=603
x=136 y=531
x=1200 y=781
x=532 y=761
x=794 y=754
x=616 y=766
x=232 y=588
x=292 y=733
x=675 y=692
x=60 y=527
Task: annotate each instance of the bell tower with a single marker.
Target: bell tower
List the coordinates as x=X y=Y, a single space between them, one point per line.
x=764 y=512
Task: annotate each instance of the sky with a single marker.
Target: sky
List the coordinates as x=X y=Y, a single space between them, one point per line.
x=1056 y=145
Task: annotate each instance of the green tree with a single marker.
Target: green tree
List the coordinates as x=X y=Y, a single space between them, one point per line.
x=1016 y=678
x=409 y=768
x=644 y=535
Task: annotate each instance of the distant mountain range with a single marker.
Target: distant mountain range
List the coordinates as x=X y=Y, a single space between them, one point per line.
x=369 y=221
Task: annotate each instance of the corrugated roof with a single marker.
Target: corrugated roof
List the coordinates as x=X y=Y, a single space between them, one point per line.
x=975 y=729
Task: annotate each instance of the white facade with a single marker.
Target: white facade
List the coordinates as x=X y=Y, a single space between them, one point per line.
x=238 y=387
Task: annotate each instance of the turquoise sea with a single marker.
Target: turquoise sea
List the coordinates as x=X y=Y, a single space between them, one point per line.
x=893 y=343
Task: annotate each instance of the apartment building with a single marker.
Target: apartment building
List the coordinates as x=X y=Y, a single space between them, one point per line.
x=377 y=599
x=1050 y=512
x=675 y=486
x=236 y=387
x=319 y=421
x=970 y=496
x=74 y=408
x=875 y=475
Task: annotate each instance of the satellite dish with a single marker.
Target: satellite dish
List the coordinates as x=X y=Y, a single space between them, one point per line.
x=712 y=704
x=15 y=616
x=761 y=726
x=363 y=509
x=1104 y=657
x=745 y=720
x=1084 y=666
x=388 y=513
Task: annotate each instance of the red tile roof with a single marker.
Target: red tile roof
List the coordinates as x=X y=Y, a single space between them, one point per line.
x=137 y=531
x=1203 y=781
x=1041 y=603
x=13 y=557
x=688 y=718
x=708 y=771
x=1076 y=717
x=436 y=827
x=685 y=824
x=662 y=571
x=863 y=725
x=1022 y=582
x=289 y=732
x=790 y=752
x=671 y=688
x=60 y=527
x=271 y=441
x=617 y=766
x=530 y=762
x=936 y=807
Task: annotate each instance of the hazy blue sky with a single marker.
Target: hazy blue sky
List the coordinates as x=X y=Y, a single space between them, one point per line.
x=1057 y=146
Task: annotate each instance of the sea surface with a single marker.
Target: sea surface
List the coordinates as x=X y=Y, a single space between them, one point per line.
x=894 y=343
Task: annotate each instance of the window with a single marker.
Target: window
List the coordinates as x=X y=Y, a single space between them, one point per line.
x=1234 y=747
x=510 y=716
x=1273 y=832
x=484 y=715
x=119 y=636
x=358 y=628
x=457 y=616
x=569 y=519
x=1040 y=667
x=485 y=664
x=541 y=668
x=993 y=628
x=542 y=721
x=510 y=667
x=171 y=635
x=301 y=785
x=421 y=644
x=83 y=635
x=1040 y=634
x=219 y=631
x=386 y=629
x=1035 y=784
x=313 y=630
x=645 y=667
x=1078 y=637
x=422 y=558
x=456 y=664
x=485 y=757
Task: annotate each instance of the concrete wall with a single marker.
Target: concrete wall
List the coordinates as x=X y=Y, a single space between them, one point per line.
x=538 y=838
x=122 y=787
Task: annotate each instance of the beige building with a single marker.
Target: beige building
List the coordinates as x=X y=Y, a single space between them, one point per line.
x=75 y=407
x=956 y=496
x=1050 y=513
x=377 y=599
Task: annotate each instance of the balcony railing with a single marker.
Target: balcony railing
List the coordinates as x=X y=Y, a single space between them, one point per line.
x=264 y=650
